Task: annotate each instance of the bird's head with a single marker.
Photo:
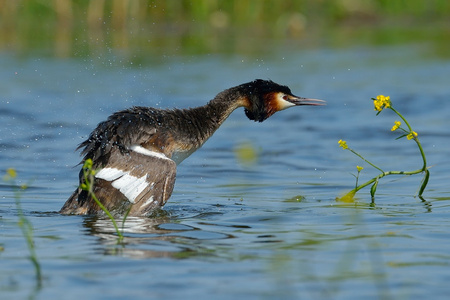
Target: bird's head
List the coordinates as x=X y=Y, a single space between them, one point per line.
x=263 y=98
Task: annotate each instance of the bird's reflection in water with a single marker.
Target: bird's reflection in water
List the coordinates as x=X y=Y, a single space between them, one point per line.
x=151 y=237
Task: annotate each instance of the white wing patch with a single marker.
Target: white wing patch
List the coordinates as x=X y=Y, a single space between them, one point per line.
x=177 y=157
x=109 y=174
x=130 y=186
x=142 y=150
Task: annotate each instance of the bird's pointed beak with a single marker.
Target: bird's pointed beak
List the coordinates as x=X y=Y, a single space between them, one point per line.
x=305 y=101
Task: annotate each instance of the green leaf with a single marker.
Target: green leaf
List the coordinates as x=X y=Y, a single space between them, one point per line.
x=425 y=182
x=373 y=189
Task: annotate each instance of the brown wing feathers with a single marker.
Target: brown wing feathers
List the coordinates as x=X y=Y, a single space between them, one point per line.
x=125 y=177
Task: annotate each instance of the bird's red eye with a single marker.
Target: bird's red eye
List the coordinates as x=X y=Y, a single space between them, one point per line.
x=285 y=97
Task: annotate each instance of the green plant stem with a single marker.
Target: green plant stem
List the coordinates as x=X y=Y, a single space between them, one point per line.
x=88 y=177
x=422 y=153
x=27 y=231
x=360 y=156
x=400 y=115
x=375 y=179
x=125 y=217
x=357 y=179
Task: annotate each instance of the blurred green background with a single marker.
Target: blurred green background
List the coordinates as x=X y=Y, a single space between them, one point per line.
x=144 y=30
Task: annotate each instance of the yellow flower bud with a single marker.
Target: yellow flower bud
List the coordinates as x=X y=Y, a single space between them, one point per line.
x=411 y=135
x=396 y=125
x=343 y=144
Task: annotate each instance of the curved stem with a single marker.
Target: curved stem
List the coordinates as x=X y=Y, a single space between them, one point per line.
x=400 y=115
x=422 y=153
x=424 y=168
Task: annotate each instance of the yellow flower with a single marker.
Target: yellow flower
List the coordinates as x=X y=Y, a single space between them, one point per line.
x=359 y=168
x=378 y=105
x=387 y=102
x=343 y=144
x=382 y=102
x=411 y=135
x=396 y=125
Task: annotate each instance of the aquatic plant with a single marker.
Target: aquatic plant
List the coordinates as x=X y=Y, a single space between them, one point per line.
x=24 y=224
x=380 y=103
x=88 y=185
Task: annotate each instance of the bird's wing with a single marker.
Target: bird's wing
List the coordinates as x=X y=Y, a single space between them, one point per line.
x=142 y=179
x=139 y=181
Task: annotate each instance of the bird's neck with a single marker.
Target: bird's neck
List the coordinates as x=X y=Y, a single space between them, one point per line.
x=200 y=123
x=208 y=118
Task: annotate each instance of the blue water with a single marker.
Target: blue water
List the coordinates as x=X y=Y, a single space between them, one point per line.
x=231 y=230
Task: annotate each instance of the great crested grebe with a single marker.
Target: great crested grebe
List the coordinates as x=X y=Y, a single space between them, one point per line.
x=136 y=151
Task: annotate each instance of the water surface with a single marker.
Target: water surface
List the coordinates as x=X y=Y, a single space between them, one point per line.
x=268 y=230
